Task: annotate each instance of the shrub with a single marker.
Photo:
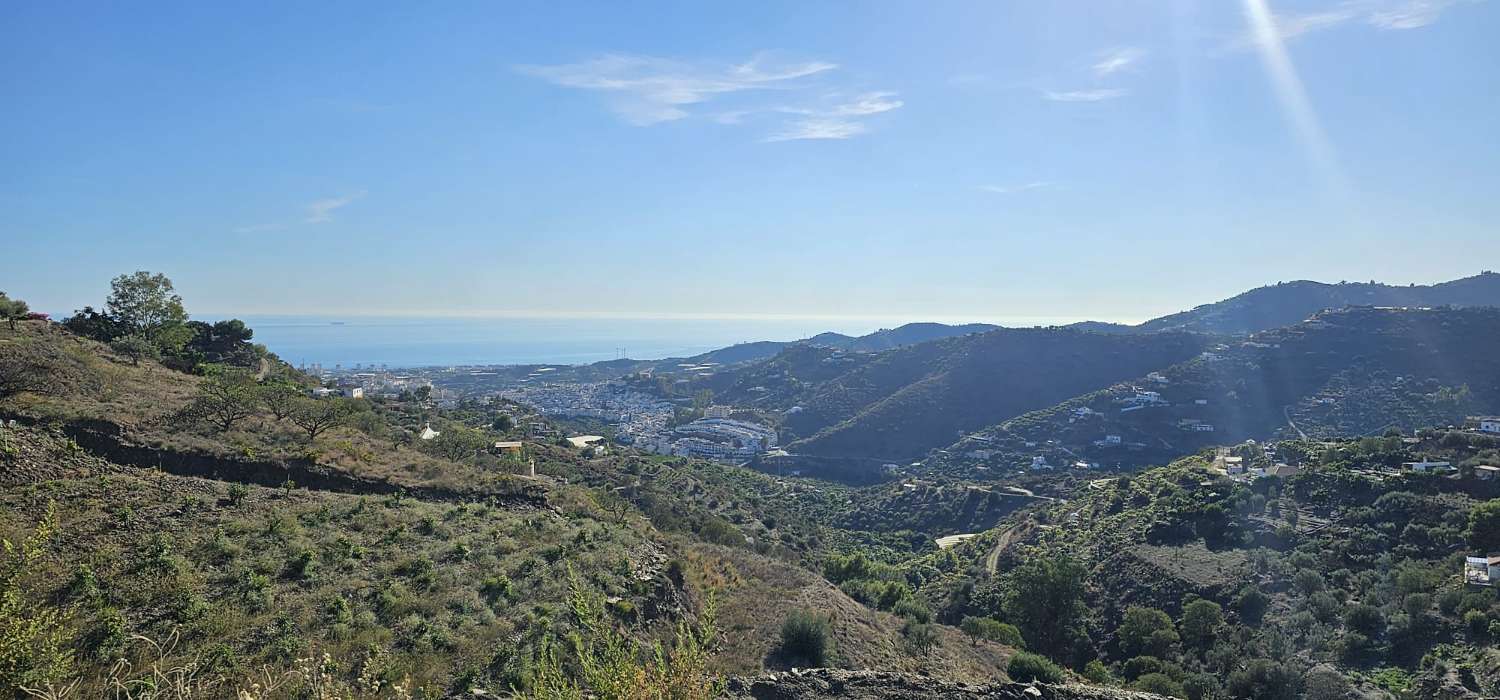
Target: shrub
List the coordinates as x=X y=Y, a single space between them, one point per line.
x=1161 y=684
x=1477 y=622
x=1025 y=667
x=496 y=587
x=920 y=637
x=237 y=493
x=1097 y=673
x=1263 y=679
x=1146 y=631
x=807 y=636
x=912 y=609
x=1365 y=619
x=992 y=630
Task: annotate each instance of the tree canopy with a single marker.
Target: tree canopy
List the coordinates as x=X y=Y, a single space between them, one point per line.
x=12 y=310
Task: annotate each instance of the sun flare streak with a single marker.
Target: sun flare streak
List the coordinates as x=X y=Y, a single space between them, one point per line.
x=1291 y=93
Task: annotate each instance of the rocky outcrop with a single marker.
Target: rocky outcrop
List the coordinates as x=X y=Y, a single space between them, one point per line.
x=876 y=685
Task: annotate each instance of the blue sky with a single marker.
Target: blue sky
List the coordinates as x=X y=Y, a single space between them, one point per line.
x=983 y=161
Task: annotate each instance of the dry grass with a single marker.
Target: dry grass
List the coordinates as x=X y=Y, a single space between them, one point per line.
x=757 y=593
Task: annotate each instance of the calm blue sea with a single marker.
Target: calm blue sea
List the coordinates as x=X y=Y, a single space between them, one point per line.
x=420 y=342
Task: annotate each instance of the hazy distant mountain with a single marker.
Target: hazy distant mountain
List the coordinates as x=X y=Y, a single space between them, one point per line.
x=1287 y=303
x=909 y=334
x=883 y=339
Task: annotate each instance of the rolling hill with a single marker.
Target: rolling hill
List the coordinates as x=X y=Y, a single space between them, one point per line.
x=901 y=403
x=1287 y=303
x=1348 y=372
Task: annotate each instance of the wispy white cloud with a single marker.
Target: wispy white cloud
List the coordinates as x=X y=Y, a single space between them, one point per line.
x=1410 y=14
x=837 y=118
x=321 y=211
x=818 y=129
x=1381 y=14
x=1117 y=60
x=1014 y=189
x=645 y=91
x=1098 y=95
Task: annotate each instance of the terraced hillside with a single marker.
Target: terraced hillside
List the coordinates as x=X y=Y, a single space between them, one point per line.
x=353 y=563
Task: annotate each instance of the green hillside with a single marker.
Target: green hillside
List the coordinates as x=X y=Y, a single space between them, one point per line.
x=1333 y=581
x=907 y=401
x=1349 y=372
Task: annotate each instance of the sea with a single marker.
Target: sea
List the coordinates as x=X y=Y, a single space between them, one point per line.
x=442 y=342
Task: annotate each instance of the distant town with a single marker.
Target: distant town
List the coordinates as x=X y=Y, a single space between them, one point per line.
x=638 y=419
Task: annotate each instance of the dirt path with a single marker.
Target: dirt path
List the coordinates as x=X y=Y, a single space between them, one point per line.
x=1287 y=413
x=1012 y=533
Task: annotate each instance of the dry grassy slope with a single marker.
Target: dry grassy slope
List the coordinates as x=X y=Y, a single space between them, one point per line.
x=756 y=593
x=113 y=518
x=116 y=403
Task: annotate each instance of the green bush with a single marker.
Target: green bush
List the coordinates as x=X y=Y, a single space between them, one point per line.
x=1025 y=667
x=1161 y=684
x=807 y=636
x=1477 y=622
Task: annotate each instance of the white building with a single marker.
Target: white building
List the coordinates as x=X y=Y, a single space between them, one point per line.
x=1489 y=424
x=1426 y=466
x=718 y=411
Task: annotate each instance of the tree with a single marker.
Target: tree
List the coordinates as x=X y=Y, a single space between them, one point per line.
x=1484 y=526
x=807 y=636
x=318 y=415
x=920 y=636
x=1146 y=631
x=279 y=397
x=90 y=323
x=12 y=310
x=612 y=503
x=1044 y=598
x=1252 y=604
x=135 y=347
x=1200 y=621
x=225 y=397
x=990 y=629
x=144 y=303
x=457 y=442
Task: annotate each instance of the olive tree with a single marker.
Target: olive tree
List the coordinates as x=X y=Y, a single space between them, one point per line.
x=136 y=347
x=12 y=310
